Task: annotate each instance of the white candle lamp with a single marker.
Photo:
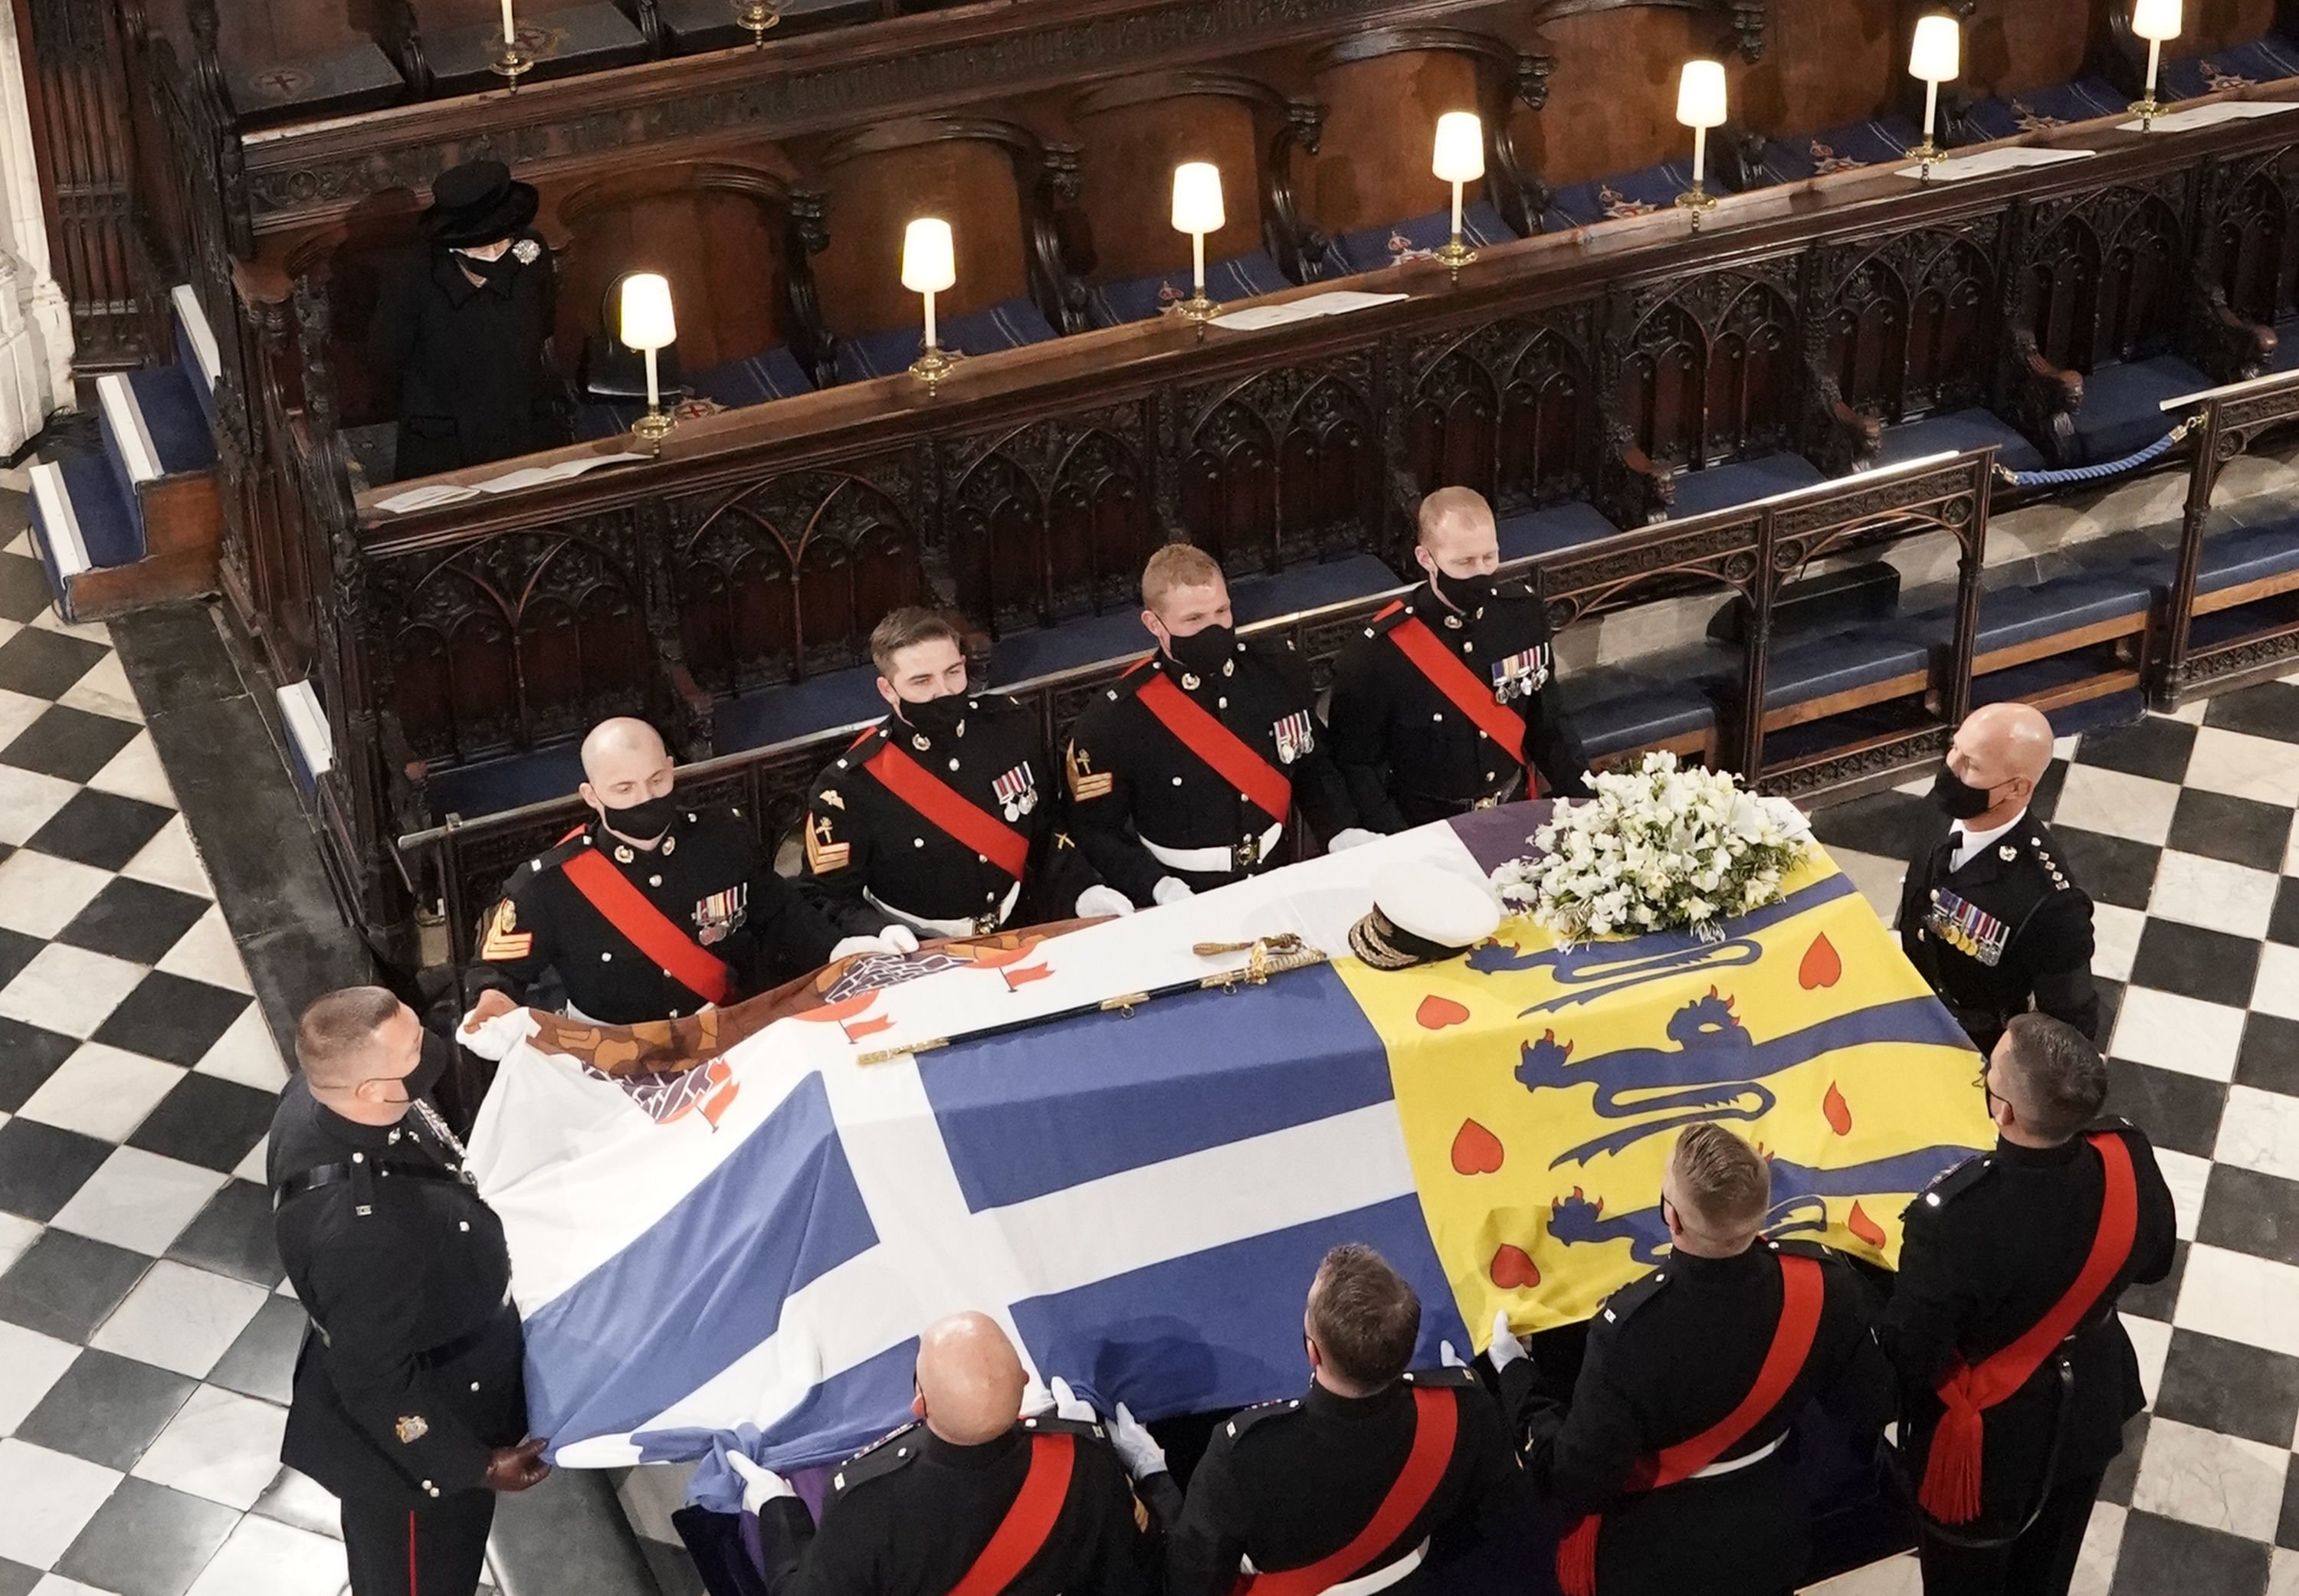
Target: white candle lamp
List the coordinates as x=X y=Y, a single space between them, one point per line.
x=2155 y=21
x=1936 y=57
x=929 y=267
x=1699 y=106
x=514 y=63
x=1459 y=159
x=649 y=325
x=1198 y=211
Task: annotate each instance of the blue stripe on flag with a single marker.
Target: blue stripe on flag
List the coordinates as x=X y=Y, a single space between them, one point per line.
x=704 y=1283
x=1221 y=1327
x=1044 y=1109
x=842 y=1414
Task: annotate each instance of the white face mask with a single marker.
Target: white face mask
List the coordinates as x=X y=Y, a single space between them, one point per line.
x=487 y=251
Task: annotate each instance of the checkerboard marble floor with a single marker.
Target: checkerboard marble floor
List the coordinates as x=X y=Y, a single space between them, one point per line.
x=146 y=1339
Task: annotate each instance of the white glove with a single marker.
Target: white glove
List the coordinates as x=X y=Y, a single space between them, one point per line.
x=851 y=946
x=1171 y=889
x=760 y=1485
x=898 y=939
x=1097 y=901
x=495 y=1038
x=1450 y=1359
x=1506 y=1348
x=1135 y=1447
x=1349 y=837
x=1060 y=1401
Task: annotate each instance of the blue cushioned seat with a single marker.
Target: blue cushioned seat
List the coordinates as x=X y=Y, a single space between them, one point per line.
x=2242 y=555
x=1839 y=149
x=1007 y=326
x=2044 y=108
x=1370 y=249
x=2121 y=410
x=2012 y=617
x=1138 y=299
x=496 y=785
x=823 y=703
x=1613 y=708
x=1843 y=662
x=1958 y=431
x=1742 y=482
x=2262 y=61
x=1631 y=193
x=770 y=374
x=2286 y=346
x=1565 y=525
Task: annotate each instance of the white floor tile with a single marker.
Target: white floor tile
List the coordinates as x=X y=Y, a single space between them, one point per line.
x=179 y=1317
x=16 y=1233
x=265 y=1558
x=2115 y=941
x=2103 y=1541
x=300 y=1501
x=2179 y=1033
x=206 y=953
x=51 y=1496
x=2213 y=893
x=2192 y=713
x=56 y=1585
x=67 y=989
x=2238 y=1297
x=2283 y=1572
x=17 y=710
x=2291 y=849
x=40 y=893
x=2260 y=1130
x=29 y=1363
x=99 y=1090
x=2187 y=1175
x=2150 y=1340
x=1894 y=1576
x=2221 y=1482
x=136 y=772
x=246 y=1054
x=1877 y=877
x=28 y=799
x=252 y=1167
x=104 y=690
x=2098 y=799
x=220 y=1445
x=2246 y=766
x=89 y=632
x=170 y=860
x=139 y=1201
x=651 y=1494
x=2275 y=990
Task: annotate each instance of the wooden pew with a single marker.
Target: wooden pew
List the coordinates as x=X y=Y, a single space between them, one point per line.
x=448 y=44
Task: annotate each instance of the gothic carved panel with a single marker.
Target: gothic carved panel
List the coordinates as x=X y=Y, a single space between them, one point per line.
x=1504 y=408
x=1702 y=368
x=1909 y=321
x=2098 y=273
x=1283 y=466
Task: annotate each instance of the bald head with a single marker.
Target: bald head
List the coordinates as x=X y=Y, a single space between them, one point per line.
x=1460 y=546
x=2002 y=750
x=969 y=1379
x=614 y=743
x=625 y=764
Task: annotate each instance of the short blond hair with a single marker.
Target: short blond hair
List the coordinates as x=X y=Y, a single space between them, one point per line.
x=334 y=1032
x=1724 y=1181
x=1177 y=565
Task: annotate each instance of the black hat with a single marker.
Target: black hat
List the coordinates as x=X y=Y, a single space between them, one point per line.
x=1422 y=916
x=477 y=203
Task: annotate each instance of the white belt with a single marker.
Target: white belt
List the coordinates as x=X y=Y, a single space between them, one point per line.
x=967 y=927
x=580 y=1018
x=1211 y=861
x=1757 y=1456
x=1365 y=1584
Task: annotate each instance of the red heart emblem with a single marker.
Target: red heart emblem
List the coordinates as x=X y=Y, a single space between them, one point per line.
x=1822 y=966
x=1476 y=1151
x=1513 y=1269
x=1863 y=1227
x=1838 y=1111
x=1435 y=1013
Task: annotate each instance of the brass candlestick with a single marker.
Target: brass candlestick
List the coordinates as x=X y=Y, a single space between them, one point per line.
x=2147 y=107
x=651 y=428
x=1196 y=307
x=933 y=365
x=1697 y=200
x=512 y=64
x=759 y=16
x=1455 y=255
x=1926 y=156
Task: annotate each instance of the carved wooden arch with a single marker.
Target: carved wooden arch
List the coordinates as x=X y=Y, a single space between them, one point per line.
x=1935 y=291
x=1504 y=74
x=1282 y=124
x=1715 y=554
x=1048 y=519
x=1747 y=19
x=1505 y=407
x=2125 y=308
x=2246 y=238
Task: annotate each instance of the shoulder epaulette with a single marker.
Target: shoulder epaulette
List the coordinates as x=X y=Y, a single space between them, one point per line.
x=1245 y=1419
x=882 y=1457
x=2034 y=834
x=1951 y=1184
x=1390 y=616
x=1443 y=1376
x=1616 y=1308
x=850 y=757
x=556 y=855
x=1051 y=1424
x=2115 y=1122
x=1799 y=1248
x=1132 y=680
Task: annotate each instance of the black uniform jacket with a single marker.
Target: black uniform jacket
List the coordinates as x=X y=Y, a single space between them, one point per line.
x=1290 y=1482
x=709 y=878
x=411 y=1375
x=2008 y=926
x=1130 y=777
x=909 y=1516
x=470 y=360
x=1669 y=1355
x=1989 y=1249
x=1409 y=753
x=861 y=837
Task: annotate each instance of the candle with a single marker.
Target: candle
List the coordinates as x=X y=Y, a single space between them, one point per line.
x=511 y=25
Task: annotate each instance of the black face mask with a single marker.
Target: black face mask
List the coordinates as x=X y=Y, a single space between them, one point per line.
x=1204 y=651
x=429 y=1067
x=1959 y=797
x=1469 y=593
x=936 y=717
x=645 y=820
x=494 y=271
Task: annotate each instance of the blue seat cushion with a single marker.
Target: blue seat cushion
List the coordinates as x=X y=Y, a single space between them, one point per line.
x=1960 y=430
x=168 y=397
x=1559 y=526
x=2247 y=554
x=1839 y=149
x=2081 y=101
x=770 y=374
x=494 y=785
x=2011 y=617
x=110 y=529
x=1370 y=249
x=2286 y=347
x=1613 y=708
x=1007 y=326
x=2262 y=60
x=822 y=703
x=1631 y=193
x=1138 y=299
x=1743 y=482
x=2122 y=411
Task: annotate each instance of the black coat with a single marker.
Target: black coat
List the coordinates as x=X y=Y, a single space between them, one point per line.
x=1669 y=1355
x=470 y=363
x=1989 y=1249
x=413 y=1373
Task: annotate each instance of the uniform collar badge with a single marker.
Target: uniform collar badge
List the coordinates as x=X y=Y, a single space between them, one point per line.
x=2007 y=853
x=1189 y=683
x=623 y=854
x=918 y=741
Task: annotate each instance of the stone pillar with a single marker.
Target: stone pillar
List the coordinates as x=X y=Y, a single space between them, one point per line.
x=36 y=331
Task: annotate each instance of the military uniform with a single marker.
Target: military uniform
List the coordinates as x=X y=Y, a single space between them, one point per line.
x=876 y=852
x=410 y=1374
x=1290 y=1483
x=910 y=1515
x=1989 y=1249
x=1410 y=753
x=1669 y=1355
x=1146 y=802
x=707 y=878
x=2007 y=928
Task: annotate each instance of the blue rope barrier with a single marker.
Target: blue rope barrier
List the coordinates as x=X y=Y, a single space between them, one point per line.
x=2106 y=468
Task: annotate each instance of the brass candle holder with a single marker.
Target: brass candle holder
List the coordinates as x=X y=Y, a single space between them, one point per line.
x=759 y=16
x=513 y=64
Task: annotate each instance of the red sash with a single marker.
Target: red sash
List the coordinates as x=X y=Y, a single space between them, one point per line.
x=941 y=802
x=1023 y=1532
x=1802 y=1291
x=1435 y=1416
x=1262 y=783
x=650 y=930
x=1951 y=1488
x=1460 y=686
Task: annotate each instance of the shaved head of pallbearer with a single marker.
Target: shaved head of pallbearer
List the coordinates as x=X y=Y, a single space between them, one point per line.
x=1989 y=915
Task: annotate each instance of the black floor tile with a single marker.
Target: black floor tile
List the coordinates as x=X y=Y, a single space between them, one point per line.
x=101 y=828
x=70 y=744
x=106 y=1409
x=16 y=951
x=2251 y=1212
x=262 y=1361
x=2196 y=963
x=2156 y=1302
x=2123 y=1473
x=2227 y=1387
x=44 y=665
x=2283 y=925
x=286 y=965
x=171 y=1017
x=2155 y=747
x=2162 y=1557
x=1882 y=822
x=206 y=1121
x=2111 y=1004
x=2286 y=1524
x=64 y=1284
x=2271 y=709
x=175 y=657
x=232 y=1235
x=2178 y=1112
x=2241 y=830
x=41 y=1167
x=2113 y=870
x=23 y=588
x=2269 y=1058
x=17 y=1579
x=2045 y=802
x=147 y=1540
x=29 y=1056
x=133 y=920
